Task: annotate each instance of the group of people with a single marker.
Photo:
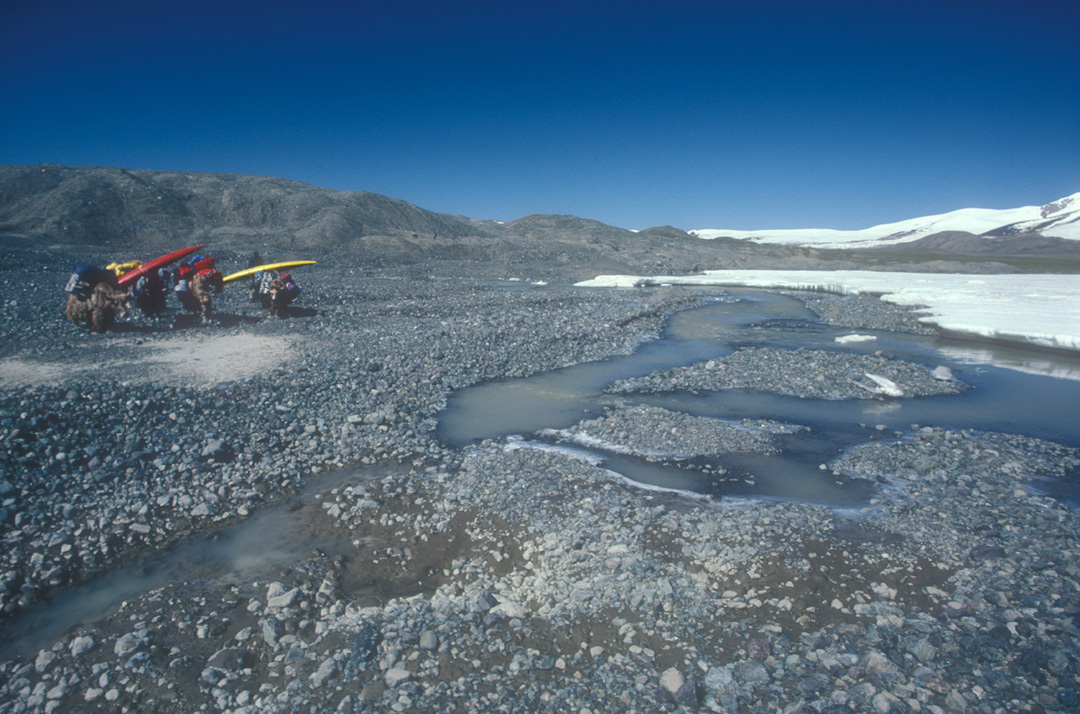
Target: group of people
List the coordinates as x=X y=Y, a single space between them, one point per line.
x=97 y=298
x=194 y=282
x=194 y=289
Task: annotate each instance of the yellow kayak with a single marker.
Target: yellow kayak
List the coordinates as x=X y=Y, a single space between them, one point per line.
x=263 y=268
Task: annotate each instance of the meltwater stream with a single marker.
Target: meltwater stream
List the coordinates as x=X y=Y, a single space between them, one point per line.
x=1007 y=400
x=275 y=536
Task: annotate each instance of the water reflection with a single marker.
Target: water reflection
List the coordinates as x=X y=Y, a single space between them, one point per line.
x=1027 y=361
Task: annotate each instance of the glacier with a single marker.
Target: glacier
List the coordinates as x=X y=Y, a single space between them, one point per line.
x=1060 y=219
x=1033 y=309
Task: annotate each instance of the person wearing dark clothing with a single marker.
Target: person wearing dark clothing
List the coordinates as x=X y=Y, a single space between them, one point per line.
x=194 y=292
x=151 y=291
x=283 y=290
x=260 y=287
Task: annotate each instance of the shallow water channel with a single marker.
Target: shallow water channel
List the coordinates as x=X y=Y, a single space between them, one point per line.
x=1002 y=399
x=1005 y=399
x=273 y=537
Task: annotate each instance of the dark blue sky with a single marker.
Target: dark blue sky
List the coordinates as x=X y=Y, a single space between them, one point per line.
x=763 y=114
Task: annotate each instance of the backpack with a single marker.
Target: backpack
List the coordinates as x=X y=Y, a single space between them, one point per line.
x=82 y=281
x=265 y=278
x=121 y=268
x=197 y=264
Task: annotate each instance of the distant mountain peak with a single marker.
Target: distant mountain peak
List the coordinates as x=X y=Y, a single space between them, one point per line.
x=1059 y=205
x=1058 y=219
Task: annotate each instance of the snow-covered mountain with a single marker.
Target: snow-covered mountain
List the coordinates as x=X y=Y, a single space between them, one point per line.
x=1060 y=219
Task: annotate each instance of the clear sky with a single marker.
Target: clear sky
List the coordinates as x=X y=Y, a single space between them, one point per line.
x=694 y=113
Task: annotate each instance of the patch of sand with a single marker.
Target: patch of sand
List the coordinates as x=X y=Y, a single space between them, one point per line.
x=17 y=372
x=209 y=360
x=178 y=361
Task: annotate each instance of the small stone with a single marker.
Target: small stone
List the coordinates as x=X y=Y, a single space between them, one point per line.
x=877 y=662
x=429 y=641
x=480 y=601
x=202 y=510
x=213 y=675
x=285 y=599
x=924 y=651
x=228 y=658
x=396 y=676
x=719 y=678
x=882 y=703
x=126 y=644
x=752 y=673
x=682 y=690
x=954 y=701
x=272 y=630
x=672 y=681
x=758 y=649
x=509 y=609
x=81 y=645
x=328 y=667
x=44 y=659
x=218 y=450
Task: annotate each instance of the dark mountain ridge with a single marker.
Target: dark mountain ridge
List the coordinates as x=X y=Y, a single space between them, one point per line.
x=962 y=242
x=112 y=207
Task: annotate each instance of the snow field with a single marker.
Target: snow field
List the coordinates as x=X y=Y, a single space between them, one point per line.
x=1042 y=309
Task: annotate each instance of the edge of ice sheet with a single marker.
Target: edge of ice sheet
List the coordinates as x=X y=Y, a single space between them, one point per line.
x=1039 y=309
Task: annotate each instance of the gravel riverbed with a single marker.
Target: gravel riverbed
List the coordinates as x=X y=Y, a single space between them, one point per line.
x=822 y=374
x=498 y=577
x=657 y=433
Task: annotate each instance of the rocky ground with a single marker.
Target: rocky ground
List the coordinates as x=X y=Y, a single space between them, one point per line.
x=495 y=577
x=865 y=311
x=657 y=433
x=821 y=374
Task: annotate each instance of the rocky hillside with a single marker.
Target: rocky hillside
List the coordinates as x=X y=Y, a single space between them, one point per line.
x=966 y=243
x=112 y=207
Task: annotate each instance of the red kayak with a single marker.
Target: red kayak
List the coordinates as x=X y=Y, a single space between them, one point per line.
x=130 y=277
